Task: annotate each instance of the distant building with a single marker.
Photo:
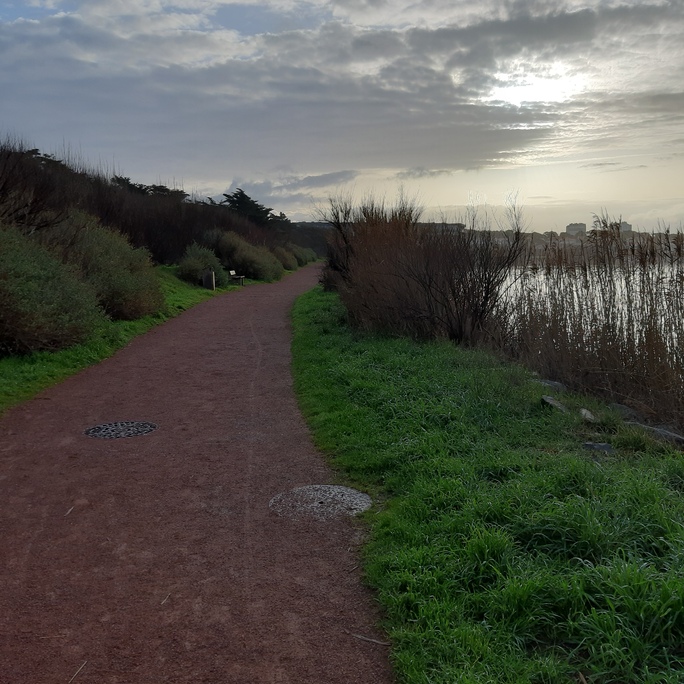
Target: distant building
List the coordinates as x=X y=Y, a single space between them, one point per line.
x=625 y=227
x=576 y=228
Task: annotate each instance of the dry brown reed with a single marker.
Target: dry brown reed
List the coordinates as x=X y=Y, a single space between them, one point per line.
x=605 y=316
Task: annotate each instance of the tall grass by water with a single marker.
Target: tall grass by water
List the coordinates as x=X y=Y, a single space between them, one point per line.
x=501 y=550
x=607 y=316
x=604 y=315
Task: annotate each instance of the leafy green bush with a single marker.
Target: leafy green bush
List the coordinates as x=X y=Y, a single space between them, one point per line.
x=304 y=255
x=190 y=269
x=249 y=260
x=196 y=261
x=122 y=277
x=43 y=304
x=286 y=258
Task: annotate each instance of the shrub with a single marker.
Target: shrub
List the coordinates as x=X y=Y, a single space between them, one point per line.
x=304 y=255
x=196 y=261
x=122 y=277
x=43 y=304
x=424 y=280
x=286 y=258
x=249 y=260
x=190 y=269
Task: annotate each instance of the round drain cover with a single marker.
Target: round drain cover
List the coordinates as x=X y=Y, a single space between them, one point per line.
x=124 y=428
x=320 y=501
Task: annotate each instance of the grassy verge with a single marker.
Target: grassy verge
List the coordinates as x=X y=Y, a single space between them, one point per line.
x=501 y=550
x=23 y=377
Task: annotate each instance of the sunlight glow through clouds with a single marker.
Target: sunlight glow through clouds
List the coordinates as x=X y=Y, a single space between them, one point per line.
x=556 y=87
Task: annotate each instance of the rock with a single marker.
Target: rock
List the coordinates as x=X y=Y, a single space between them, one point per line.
x=588 y=416
x=554 y=403
x=625 y=412
x=660 y=432
x=599 y=446
x=558 y=386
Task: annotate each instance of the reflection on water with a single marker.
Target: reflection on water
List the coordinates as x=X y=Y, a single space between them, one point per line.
x=633 y=306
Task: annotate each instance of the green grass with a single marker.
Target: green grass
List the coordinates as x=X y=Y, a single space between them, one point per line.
x=500 y=550
x=22 y=377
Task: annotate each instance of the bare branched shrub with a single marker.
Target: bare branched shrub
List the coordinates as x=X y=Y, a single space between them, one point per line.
x=425 y=280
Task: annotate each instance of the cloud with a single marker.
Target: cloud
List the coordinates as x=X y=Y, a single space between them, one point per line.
x=291 y=190
x=287 y=184
x=598 y=165
x=324 y=180
x=209 y=90
x=422 y=172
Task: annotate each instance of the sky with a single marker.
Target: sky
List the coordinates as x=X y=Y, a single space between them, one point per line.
x=574 y=108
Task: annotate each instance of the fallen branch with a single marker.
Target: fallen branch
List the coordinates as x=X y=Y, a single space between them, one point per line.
x=77 y=671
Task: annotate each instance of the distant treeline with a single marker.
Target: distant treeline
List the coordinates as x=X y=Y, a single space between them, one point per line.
x=37 y=189
x=78 y=247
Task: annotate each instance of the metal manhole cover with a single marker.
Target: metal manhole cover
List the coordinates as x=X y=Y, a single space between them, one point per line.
x=124 y=428
x=320 y=501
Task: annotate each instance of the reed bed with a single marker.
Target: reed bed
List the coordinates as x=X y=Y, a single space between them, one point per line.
x=605 y=316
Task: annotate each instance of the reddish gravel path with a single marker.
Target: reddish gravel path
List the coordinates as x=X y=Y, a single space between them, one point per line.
x=156 y=558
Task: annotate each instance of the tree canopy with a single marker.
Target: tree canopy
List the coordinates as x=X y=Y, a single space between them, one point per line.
x=241 y=203
x=141 y=189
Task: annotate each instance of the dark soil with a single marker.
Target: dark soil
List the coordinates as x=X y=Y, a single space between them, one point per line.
x=155 y=558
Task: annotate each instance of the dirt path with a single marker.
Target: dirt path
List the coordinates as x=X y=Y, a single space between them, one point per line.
x=156 y=558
